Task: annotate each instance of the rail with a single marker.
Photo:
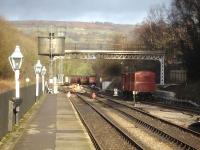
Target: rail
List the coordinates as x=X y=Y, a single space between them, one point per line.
x=91 y=134
x=159 y=130
x=125 y=136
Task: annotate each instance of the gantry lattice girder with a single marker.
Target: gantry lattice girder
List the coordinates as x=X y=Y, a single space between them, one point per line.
x=121 y=55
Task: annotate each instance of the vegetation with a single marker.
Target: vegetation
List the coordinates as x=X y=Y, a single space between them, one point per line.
x=76 y=32
x=85 y=35
x=9 y=38
x=176 y=30
x=185 y=16
x=81 y=67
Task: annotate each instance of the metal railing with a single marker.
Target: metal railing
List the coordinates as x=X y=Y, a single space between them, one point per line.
x=107 y=46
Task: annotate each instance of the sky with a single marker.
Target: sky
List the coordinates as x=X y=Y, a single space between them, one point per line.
x=115 y=11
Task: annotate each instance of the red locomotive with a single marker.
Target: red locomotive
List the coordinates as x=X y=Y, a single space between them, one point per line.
x=142 y=82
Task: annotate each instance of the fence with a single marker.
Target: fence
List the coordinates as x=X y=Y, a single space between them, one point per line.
x=178 y=76
x=28 y=99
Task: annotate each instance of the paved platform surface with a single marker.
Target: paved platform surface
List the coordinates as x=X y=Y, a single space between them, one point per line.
x=55 y=126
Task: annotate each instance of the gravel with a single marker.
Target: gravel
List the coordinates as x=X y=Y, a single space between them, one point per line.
x=106 y=135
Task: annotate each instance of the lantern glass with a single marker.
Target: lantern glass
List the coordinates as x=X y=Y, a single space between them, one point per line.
x=16 y=59
x=43 y=72
x=17 y=63
x=38 y=67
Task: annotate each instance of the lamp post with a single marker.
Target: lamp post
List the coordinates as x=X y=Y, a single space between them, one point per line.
x=27 y=81
x=100 y=80
x=43 y=72
x=16 y=61
x=134 y=97
x=38 y=69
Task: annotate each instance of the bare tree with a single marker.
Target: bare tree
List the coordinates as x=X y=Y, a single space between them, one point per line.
x=153 y=32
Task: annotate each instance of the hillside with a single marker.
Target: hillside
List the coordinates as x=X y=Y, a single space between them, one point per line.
x=79 y=32
x=82 y=32
x=85 y=32
x=68 y=24
x=9 y=38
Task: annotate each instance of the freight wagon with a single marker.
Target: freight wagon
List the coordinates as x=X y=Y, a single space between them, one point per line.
x=83 y=80
x=141 y=82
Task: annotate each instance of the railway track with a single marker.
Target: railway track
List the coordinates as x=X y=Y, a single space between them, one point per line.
x=192 y=110
x=104 y=133
x=153 y=102
x=181 y=137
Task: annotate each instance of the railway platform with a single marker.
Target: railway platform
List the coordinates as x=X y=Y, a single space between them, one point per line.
x=54 y=126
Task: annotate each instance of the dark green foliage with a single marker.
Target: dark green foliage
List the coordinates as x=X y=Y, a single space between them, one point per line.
x=78 y=67
x=186 y=16
x=114 y=70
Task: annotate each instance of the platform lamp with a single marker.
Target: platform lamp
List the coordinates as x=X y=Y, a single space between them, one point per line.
x=100 y=80
x=16 y=61
x=43 y=72
x=38 y=69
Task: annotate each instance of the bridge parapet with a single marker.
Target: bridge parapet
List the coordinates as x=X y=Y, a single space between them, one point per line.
x=108 y=46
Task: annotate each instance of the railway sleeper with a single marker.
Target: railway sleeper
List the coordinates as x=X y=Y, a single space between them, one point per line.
x=164 y=135
x=171 y=138
x=168 y=137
